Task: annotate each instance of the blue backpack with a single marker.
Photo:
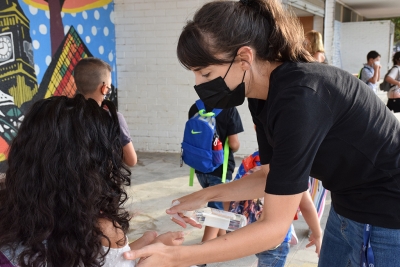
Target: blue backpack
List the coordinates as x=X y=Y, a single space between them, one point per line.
x=199 y=135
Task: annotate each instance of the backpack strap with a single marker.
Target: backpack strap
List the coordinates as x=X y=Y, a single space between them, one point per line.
x=224 y=166
x=200 y=106
x=226 y=158
x=191 y=176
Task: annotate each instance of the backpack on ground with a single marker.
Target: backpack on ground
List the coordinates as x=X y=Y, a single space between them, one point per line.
x=385 y=86
x=201 y=148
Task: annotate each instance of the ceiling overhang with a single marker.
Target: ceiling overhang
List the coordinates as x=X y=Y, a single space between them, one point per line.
x=374 y=9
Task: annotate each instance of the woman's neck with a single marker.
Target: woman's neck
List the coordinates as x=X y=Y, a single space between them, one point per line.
x=260 y=80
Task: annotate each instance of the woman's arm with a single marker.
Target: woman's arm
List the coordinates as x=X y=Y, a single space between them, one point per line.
x=392 y=81
x=251 y=187
x=264 y=234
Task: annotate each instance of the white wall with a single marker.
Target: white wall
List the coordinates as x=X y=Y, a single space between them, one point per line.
x=358 y=38
x=336 y=50
x=155 y=91
x=329 y=29
x=318 y=24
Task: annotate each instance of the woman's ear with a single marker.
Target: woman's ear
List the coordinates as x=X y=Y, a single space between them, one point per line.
x=246 y=56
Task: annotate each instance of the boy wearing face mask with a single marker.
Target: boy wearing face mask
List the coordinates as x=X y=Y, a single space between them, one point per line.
x=371 y=71
x=93 y=80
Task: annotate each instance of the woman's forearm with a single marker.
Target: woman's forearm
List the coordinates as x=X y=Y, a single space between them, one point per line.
x=262 y=235
x=392 y=81
x=249 y=187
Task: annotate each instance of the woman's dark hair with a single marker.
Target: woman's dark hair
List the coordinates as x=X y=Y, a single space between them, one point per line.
x=396 y=58
x=223 y=27
x=65 y=171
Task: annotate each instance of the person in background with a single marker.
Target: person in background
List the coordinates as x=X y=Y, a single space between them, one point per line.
x=315 y=46
x=371 y=72
x=393 y=77
x=228 y=125
x=93 y=80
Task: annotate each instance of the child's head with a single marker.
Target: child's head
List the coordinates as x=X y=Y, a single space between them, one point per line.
x=64 y=172
x=92 y=75
x=314 y=42
x=396 y=58
x=372 y=57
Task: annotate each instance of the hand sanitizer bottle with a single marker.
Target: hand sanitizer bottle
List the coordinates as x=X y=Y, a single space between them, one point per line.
x=214 y=218
x=217 y=218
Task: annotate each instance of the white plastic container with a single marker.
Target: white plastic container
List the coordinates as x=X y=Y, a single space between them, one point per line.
x=214 y=218
x=217 y=218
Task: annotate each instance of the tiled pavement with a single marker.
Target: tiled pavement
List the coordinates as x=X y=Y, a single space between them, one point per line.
x=157 y=179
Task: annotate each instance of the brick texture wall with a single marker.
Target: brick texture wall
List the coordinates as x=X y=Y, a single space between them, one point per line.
x=155 y=91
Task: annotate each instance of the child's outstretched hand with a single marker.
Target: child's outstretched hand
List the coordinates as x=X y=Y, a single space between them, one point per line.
x=315 y=240
x=170 y=238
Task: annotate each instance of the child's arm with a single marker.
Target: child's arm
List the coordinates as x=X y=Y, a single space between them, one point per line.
x=310 y=215
x=150 y=237
x=130 y=157
x=233 y=141
x=146 y=239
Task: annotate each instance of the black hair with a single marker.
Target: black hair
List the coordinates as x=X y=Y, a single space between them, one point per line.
x=222 y=27
x=65 y=171
x=372 y=54
x=89 y=73
x=396 y=58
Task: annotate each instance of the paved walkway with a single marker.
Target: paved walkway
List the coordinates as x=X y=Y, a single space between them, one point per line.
x=157 y=179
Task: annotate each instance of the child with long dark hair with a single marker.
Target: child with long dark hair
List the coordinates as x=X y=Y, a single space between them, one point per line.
x=64 y=196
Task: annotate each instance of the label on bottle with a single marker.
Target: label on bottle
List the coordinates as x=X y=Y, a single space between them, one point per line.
x=216 y=221
x=223 y=213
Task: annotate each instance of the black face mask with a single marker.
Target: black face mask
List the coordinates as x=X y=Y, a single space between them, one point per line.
x=216 y=94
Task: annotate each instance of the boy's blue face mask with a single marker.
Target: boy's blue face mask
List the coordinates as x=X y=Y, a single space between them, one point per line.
x=216 y=94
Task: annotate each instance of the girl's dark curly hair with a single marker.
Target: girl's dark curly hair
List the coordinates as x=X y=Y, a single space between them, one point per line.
x=65 y=171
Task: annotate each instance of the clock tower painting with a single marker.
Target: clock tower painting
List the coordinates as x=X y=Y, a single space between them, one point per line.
x=41 y=41
x=18 y=82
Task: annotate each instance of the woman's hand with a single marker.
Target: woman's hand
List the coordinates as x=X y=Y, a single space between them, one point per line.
x=186 y=203
x=170 y=239
x=316 y=240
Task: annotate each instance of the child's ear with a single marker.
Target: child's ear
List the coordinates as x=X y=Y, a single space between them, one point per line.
x=103 y=89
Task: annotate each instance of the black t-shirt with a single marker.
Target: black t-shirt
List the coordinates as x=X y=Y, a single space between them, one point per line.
x=228 y=123
x=321 y=121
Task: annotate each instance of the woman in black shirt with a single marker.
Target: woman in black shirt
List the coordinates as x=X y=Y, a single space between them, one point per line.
x=312 y=120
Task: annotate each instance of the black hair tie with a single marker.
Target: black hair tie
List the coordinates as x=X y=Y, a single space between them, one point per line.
x=244 y=2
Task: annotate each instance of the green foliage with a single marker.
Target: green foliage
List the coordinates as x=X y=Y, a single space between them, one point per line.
x=396 y=22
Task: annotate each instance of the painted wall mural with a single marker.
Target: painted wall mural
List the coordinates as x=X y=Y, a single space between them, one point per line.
x=41 y=41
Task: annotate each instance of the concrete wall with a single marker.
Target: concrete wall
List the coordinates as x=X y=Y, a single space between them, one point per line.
x=155 y=91
x=319 y=24
x=336 y=50
x=358 y=38
x=329 y=29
